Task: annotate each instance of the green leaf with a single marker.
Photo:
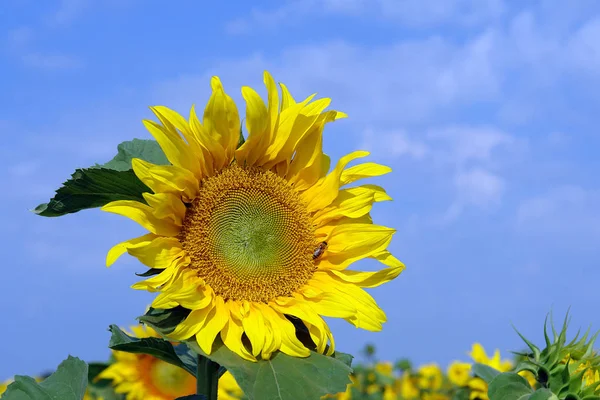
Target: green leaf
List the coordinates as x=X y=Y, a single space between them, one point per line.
x=282 y=377
x=344 y=357
x=93 y=187
x=485 y=372
x=543 y=394
x=94 y=369
x=147 y=150
x=68 y=382
x=461 y=394
x=159 y=348
x=509 y=386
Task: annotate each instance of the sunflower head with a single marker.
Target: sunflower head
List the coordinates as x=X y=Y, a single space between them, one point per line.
x=254 y=237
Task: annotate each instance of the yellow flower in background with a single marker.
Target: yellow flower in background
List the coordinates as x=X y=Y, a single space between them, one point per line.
x=385 y=368
x=479 y=355
x=459 y=373
x=389 y=393
x=407 y=386
x=435 y=396
x=478 y=388
x=530 y=377
x=144 y=377
x=430 y=377
x=4 y=385
x=347 y=395
x=247 y=236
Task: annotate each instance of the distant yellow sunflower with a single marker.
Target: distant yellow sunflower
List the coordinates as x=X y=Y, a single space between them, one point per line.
x=250 y=238
x=4 y=385
x=144 y=377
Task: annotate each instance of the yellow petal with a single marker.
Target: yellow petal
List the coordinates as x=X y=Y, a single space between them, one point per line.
x=257 y=122
x=143 y=215
x=214 y=153
x=253 y=323
x=158 y=253
x=192 y=294
x=174 y=121
x=190 y=326
x=216 y=321
x=232 y=333
x=167 y=276
x=352 y=203
x=286 y=98
x=348 y=243
x=364 y=170
x=386 y=258
x=325 y=191
x=368 y=314
x=166 y=179
x=177 y=151
x=368 y=279
x=221 y=120
x=166 y=206
x=290 y=344
x=119 y=249
x=325 y=303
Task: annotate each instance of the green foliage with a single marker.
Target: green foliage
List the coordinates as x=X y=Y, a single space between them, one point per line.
x=485 y=372
x=509 y=386
x=67 y=383
x=178 y=355
x=101 y=388
x=99 y=185
x=283 y=377
x=147 y=150
x=164 y=321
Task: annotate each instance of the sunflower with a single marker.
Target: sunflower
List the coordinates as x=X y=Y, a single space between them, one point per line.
x=144 y=377
x=4 y=385
x=255 y=240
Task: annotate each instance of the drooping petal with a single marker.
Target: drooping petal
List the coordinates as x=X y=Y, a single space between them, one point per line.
x=233 y=330
x=167 y=276
x=368 y=279
x=253 y=323
x=158 y=253
x=290 y=344
x=143 y=215
x=216 y=321
x=119 y=249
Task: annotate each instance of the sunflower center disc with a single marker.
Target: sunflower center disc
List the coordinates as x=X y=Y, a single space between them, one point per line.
x=249 y=236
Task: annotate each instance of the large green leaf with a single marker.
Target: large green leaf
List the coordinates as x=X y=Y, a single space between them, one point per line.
x=485 y=372
x=509 y=386
x=177 y=355
x=282 y=377
x=101 y=184
x=147 y=150
x=93 y=187
x=67 y=383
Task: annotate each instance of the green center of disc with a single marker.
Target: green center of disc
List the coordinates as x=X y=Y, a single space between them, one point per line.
x=249 y=231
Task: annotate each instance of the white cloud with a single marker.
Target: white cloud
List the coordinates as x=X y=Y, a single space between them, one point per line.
x=395 y=144
x=68 y=11
x=479 y=187
x=413 y=13
x=566 y=211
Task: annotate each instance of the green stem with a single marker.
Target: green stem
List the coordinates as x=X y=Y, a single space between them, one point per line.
x=207 y=378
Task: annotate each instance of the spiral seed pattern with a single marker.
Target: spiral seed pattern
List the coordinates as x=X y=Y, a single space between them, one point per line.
x=249 y=236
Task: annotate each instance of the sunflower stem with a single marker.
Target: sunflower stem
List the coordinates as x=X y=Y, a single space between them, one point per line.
x=207 y=377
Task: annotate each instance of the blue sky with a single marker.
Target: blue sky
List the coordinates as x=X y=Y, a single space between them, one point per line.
x=485 y=109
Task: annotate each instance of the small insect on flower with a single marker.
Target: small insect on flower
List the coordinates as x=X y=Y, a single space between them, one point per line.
x=319 y=250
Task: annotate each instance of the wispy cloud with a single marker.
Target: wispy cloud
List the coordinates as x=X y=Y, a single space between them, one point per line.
x=413 y=13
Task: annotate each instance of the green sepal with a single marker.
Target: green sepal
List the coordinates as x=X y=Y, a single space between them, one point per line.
x=162 y=349
x=164 y=321
x=241 y=140
x=68 y=382
x=151 y=272
x=282 y=377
